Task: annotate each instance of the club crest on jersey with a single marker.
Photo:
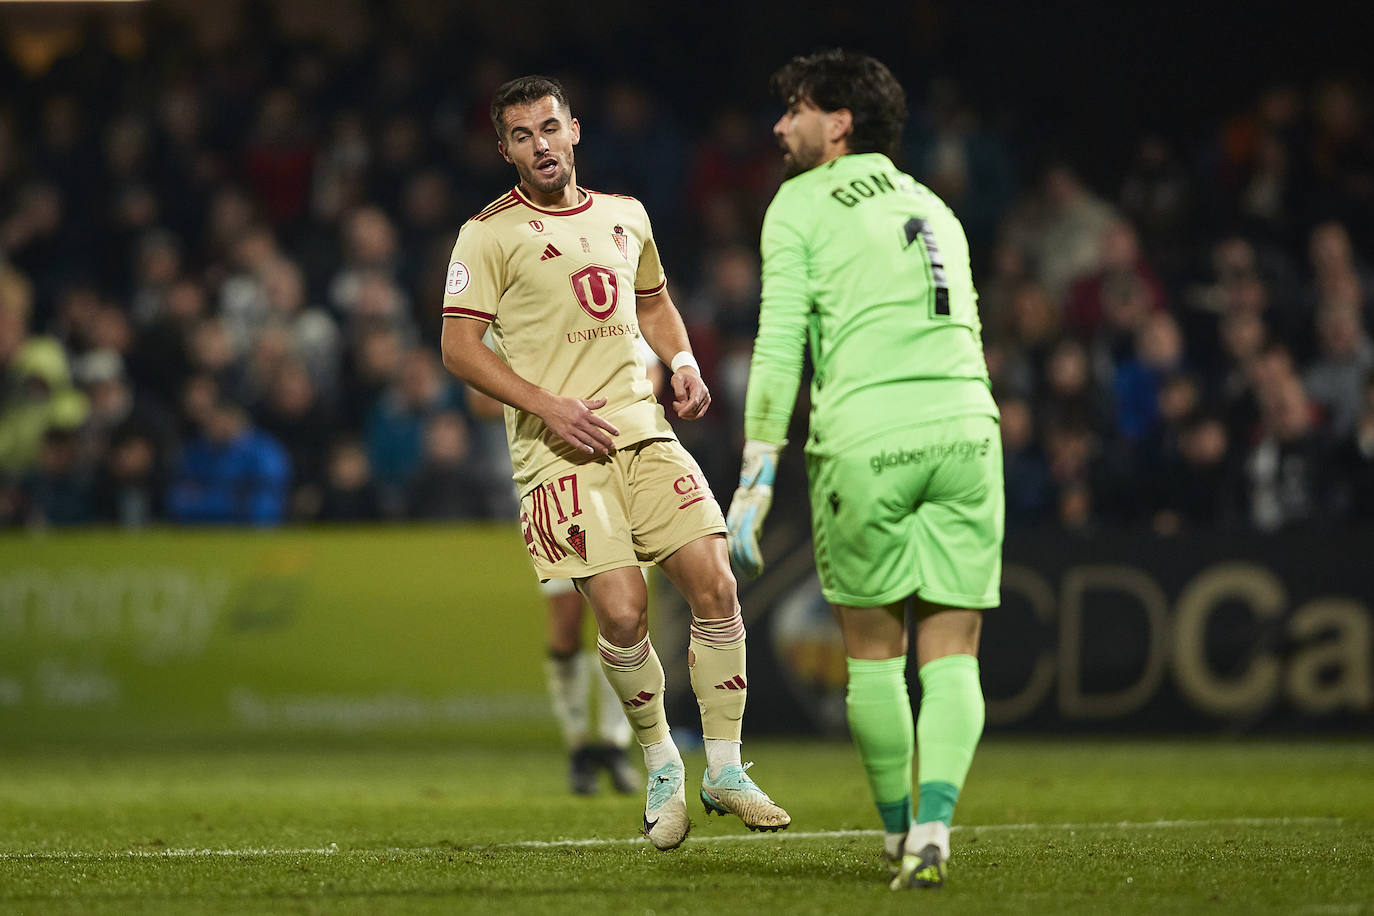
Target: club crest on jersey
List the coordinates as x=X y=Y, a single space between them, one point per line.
x=596 y=290
x=621 y=241
x=537 y=225
x=577 y=540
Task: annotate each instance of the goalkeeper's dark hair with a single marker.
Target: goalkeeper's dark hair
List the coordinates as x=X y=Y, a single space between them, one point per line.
x=837 y=79
x=522 y=91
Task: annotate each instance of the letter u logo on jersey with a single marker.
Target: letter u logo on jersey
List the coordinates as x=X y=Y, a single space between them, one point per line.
x=596 y=290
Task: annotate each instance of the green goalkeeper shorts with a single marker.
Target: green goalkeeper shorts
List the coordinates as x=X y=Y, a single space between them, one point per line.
x=918 y=510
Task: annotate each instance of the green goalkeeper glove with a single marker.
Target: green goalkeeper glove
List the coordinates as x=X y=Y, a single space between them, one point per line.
x=751 y=502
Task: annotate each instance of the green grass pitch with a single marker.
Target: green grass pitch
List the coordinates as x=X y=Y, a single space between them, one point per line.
x=415 y=826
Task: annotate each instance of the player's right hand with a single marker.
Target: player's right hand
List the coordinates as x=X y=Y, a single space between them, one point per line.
x=750 y=504
x=574 y=420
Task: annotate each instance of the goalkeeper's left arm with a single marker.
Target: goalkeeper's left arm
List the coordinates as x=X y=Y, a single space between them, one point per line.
x=774 y=376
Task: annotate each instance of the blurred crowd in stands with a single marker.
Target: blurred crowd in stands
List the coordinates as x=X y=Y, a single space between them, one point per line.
x=220 y=290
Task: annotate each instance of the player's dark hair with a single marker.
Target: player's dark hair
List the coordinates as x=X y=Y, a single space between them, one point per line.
x=522 y=91
x=837 y=79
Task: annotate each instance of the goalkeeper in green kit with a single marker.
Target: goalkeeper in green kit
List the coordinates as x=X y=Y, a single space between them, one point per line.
x=904 y=456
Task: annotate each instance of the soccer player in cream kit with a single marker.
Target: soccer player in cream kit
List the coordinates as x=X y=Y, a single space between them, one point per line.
x=567 y=280
x=904 y=457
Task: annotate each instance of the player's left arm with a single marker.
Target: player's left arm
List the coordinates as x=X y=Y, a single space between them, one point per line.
x=661 y=324
x=662 y=327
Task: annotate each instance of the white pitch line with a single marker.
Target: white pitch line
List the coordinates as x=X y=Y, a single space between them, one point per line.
x=1146 y=825
x=693 y=838
x=985 y=828
x=333 y=848
x=164 y=854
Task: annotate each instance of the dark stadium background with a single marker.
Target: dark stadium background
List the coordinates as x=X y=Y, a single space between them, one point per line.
x=1158 y=109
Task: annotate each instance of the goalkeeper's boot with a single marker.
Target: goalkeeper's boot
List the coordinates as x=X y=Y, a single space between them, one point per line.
x=733 y=792
x=665 y=812
x=582 y=771
x=924 y=856
x=625 y=776
x=892 y=858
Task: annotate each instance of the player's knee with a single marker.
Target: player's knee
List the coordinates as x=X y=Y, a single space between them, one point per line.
x=623 y=626
x=717 y=599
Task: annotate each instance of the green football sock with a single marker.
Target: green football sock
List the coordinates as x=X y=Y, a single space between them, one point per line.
x=947 y=732
x=879 y=713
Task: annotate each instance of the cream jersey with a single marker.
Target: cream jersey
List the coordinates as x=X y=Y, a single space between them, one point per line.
x=559 y=289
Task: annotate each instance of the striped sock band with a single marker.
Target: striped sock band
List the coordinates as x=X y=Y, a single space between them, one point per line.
x=623 y=658
x=717 y=632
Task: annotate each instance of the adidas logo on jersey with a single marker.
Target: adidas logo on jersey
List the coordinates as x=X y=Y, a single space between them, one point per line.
x=550 y=252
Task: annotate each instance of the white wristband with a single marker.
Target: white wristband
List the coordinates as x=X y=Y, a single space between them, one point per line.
x=684 y=358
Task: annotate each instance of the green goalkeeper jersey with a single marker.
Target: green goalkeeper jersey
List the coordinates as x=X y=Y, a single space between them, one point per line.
x=873 y=269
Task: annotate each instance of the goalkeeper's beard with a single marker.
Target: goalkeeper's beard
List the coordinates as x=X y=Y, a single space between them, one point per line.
x=803 y=159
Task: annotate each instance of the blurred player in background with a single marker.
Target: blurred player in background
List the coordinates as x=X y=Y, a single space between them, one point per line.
x=568 y=280
x=568 y=672
x=903 y=456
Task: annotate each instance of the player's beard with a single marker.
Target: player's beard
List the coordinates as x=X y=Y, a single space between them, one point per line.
x=802 y=159
x=549 y=185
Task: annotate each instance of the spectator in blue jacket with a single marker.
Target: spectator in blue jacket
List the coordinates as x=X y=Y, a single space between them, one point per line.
x=232 y=473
